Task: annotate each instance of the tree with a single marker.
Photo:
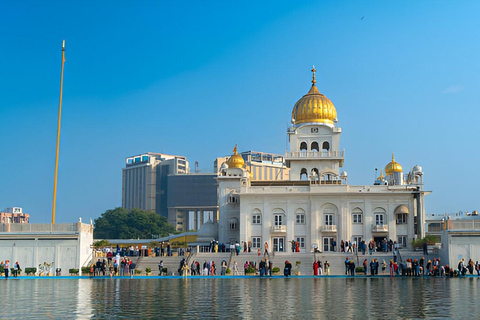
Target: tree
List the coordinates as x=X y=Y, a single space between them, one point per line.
x=121 y=223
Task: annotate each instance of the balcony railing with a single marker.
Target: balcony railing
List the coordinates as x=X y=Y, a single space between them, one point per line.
x=379 y=228
x=278 y=229
x=329 y=228
x=315 y=154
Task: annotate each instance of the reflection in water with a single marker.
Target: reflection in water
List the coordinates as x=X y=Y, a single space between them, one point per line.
x=239 y=298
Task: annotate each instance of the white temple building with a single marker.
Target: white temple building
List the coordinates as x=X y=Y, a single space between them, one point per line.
x=317 y=207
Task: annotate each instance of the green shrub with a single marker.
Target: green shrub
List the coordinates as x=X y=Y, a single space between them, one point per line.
x=298 y=263
x=164 y=270
x=85 y=270
x=73 y=271
x=148 y=270
x=29 y=271
x=13 y=269
x=2 y=269
x=275 y=269
x=229 y=271
x=359 y=269
x=137 y=271
x=251 y=269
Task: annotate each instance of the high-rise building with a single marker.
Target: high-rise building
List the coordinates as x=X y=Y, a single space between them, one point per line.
x=144 y=180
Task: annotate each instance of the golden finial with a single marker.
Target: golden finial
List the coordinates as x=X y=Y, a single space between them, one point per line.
x=393 y=157
x=235 y=150
x=381 y=173
x=313 y=80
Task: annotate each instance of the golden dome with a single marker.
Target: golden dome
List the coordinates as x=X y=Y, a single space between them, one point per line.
x=235 y=161
x=314 y=107
x=392 y=167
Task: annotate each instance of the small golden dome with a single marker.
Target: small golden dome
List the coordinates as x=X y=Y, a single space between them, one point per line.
x=314 y=107
x=392 y=167
x=235 y=161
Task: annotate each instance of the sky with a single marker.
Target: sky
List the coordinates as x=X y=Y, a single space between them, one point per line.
x=194 y=78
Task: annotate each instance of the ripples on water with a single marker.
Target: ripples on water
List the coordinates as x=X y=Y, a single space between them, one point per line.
x=253 y=298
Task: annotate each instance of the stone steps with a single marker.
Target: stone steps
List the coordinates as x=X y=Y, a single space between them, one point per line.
x=335 y=259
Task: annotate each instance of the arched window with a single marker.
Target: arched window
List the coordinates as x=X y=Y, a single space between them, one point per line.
x=326 y=146
x=303 y=147
x=315 y=174
x=329 y=213
x=380 y=216
x=300 y=216
x=314 y=147
x=401 y=213
x=279 y=217
x=357 y=215
x=303 y=174
x=257 y=216
x=233 y=224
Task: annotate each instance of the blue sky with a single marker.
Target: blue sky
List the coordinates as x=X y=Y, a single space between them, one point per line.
x=195 y=78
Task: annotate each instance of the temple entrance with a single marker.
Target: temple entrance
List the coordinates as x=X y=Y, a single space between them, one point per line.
x=328 y=244
x=278 y=244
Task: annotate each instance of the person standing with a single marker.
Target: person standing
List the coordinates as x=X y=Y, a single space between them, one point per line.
x=265 y=253
x=270 y=268
x=16 y=269
x=425 y=248
x=224 y=268
x=365 y=265
x=160 y=267
x=287 y=269
x=6 y=268
x=294 y=245
x=235 y=268
x=315 y=268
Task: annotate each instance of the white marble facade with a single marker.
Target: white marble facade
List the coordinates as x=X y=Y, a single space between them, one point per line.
x=317 y=206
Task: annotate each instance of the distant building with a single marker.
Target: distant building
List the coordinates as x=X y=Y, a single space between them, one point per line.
x=14 y=215
x=261 y=165
x=163 y=183
x=192 y=200
x=144 y=180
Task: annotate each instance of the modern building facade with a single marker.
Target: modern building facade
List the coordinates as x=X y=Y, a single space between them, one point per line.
x=144 y=180
x=192 y=200
x=317 y=207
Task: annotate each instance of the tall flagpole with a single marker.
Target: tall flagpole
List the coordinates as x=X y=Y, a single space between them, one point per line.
x=58 y=136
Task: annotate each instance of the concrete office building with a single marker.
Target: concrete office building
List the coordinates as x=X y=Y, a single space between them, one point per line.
x=192 y=200
x=144 y=180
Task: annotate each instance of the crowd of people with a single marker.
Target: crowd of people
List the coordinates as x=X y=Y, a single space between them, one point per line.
x=116 y=266
x=6 y=268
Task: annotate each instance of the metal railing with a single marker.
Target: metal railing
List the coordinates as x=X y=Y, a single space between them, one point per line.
x=315 y=154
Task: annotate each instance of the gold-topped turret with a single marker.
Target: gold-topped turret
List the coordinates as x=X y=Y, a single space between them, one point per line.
x=393 y=166
x=236 y=160
x=314 y=107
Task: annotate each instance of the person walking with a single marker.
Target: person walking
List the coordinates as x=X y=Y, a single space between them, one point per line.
x=265 y=253
x=235 y=268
